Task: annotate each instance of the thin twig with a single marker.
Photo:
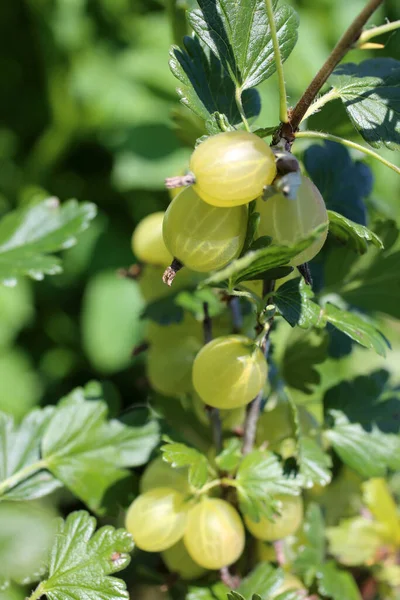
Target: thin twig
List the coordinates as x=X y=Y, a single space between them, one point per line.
x=334 y=138
x=254 y=408
x=213 y=413
x=207 y=324
x=283 y=112
x=231 y=581
x=340 y=50
x=368 y=34
x=236 y=312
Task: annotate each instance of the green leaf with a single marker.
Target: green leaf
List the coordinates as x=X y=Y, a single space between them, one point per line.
x=369 y=400
x=260 y=477
x=304 y=350
x=293 y=300
x=370 y=92
x=20 y=453
x=256 y=262
x=355 y=541
x=253 y=221
x=81 y=561
x=231 y=456
x=30 y=234
x=263 y=132
x=343 y=183
x=352 y=234
x=239 y=35
x=164 y=311
x=88 y=453
x=337 y=584
x=357 y=328
x=180 y=455
x=314 y=464
x=206 y=88
x=311 y=553
x=264 y=581
x=370 y=454
x=217 y=591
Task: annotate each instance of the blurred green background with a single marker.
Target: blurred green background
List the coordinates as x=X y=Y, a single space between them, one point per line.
x=85 y=112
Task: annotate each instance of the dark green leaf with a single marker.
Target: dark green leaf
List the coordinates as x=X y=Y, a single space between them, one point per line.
x=368 y=400
x=230 y=457
x=30 y=234
x=180 y=455
x=337 y=584
x=239 y=35
x=352 y=234
x=370 y=92
x=256 y=262
x=20 y=452
x=264 y=581
x=312 y=551
x=269 y=275
x=206 y=88
x=371 y=454
x=304 y=350
x=89 y=454
x=357 y=328
x=260 y=477
x=82 y=561
x=342 y=182
x=293 y=300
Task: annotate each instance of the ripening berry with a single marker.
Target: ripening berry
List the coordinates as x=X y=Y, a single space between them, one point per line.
x=148 y=243
x=157 y=519
x=288 y=221
x=286 y=523
x=201 y=236
x=232 y=168
x=179 y=561
x=229 y=371
x=214 y=535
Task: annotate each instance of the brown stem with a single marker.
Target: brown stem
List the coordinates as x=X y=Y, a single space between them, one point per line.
x=305 y=272
x=213 y=413
x=253 y=411
x=340 y=50
x=231 y=581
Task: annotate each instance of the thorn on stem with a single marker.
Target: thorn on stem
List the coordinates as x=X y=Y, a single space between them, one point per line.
x=232 y=581
x=140 y=349
x=180 y=181
x=170 y=272
x=305 y=272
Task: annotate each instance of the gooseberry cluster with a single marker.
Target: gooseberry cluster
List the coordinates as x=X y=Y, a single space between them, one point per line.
x=203 y=229
x=194 y=533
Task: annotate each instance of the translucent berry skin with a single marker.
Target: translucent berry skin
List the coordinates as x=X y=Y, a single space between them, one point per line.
x=288 y=221
x=157 y=519
x=232 y=168
x=214 y=535
x=160 y=474
x=287 y=523
x=148 y=243
x=229 y=372
x=201 y=236
x=178 y=560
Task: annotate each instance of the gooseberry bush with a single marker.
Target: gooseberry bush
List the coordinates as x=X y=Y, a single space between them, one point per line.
x=265 y=463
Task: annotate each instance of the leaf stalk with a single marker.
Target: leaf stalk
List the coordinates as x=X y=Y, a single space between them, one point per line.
x=334 y=138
